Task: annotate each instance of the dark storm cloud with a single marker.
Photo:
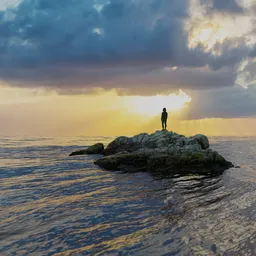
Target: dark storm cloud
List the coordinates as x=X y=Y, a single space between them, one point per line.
x=88 y=43
x=223 y=103
x=168 y=80
x=57 y=32
x=230 y=6
x=132 y=81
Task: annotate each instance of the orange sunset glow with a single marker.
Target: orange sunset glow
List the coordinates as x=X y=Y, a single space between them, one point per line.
x=200 y=67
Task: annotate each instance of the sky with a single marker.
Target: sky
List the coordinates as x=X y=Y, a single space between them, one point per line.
x=108 y=67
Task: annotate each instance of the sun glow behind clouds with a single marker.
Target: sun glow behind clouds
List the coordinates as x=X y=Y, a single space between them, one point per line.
x=153 y=105
x=209 y=34
x=219 y=33
x=209 y=30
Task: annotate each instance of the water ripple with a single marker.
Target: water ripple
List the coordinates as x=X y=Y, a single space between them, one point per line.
x=52 y=204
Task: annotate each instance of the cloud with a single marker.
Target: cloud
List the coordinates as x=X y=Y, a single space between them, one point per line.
x=223 y=103
x=231 y=6
x=60 y=32
x=126 y=80
x=88 y=43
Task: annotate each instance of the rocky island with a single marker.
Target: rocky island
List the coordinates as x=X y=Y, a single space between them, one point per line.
x=162 y=152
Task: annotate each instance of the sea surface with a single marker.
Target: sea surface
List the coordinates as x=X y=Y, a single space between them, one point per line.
x=53 y=204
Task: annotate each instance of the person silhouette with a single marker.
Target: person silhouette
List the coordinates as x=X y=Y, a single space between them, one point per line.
x=164 y=118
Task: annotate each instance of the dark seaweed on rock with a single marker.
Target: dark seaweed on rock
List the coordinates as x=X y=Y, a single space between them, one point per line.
x=95 y=149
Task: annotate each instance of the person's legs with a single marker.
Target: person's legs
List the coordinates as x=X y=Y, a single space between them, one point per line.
x=165 y=124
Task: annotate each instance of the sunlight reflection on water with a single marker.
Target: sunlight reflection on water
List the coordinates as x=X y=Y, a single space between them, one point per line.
x=52 y=204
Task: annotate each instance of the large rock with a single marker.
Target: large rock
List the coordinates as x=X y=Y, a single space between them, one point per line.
x=204 y=162
x=125 y=144
x=94 y=149
x=157 y=140
x=202 y=140
x=163 y=152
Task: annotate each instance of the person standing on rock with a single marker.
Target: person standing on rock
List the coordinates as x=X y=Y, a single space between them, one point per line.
x=164 y=118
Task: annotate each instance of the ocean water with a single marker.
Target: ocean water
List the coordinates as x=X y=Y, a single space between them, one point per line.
x=53 y=204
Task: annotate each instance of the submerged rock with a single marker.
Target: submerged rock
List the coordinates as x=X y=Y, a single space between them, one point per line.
x=94 y=149
x=163 y=152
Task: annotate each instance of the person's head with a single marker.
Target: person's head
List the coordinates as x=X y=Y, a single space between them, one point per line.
x=164 y=110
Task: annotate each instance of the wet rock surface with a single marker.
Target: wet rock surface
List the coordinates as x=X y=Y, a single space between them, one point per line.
x=94 y=149
x=163 y=152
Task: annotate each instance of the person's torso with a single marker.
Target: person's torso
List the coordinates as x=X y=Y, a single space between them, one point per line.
x=164 y=115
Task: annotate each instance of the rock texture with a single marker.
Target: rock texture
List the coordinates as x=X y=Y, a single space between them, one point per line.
x=95 y=149
x=163 y=152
